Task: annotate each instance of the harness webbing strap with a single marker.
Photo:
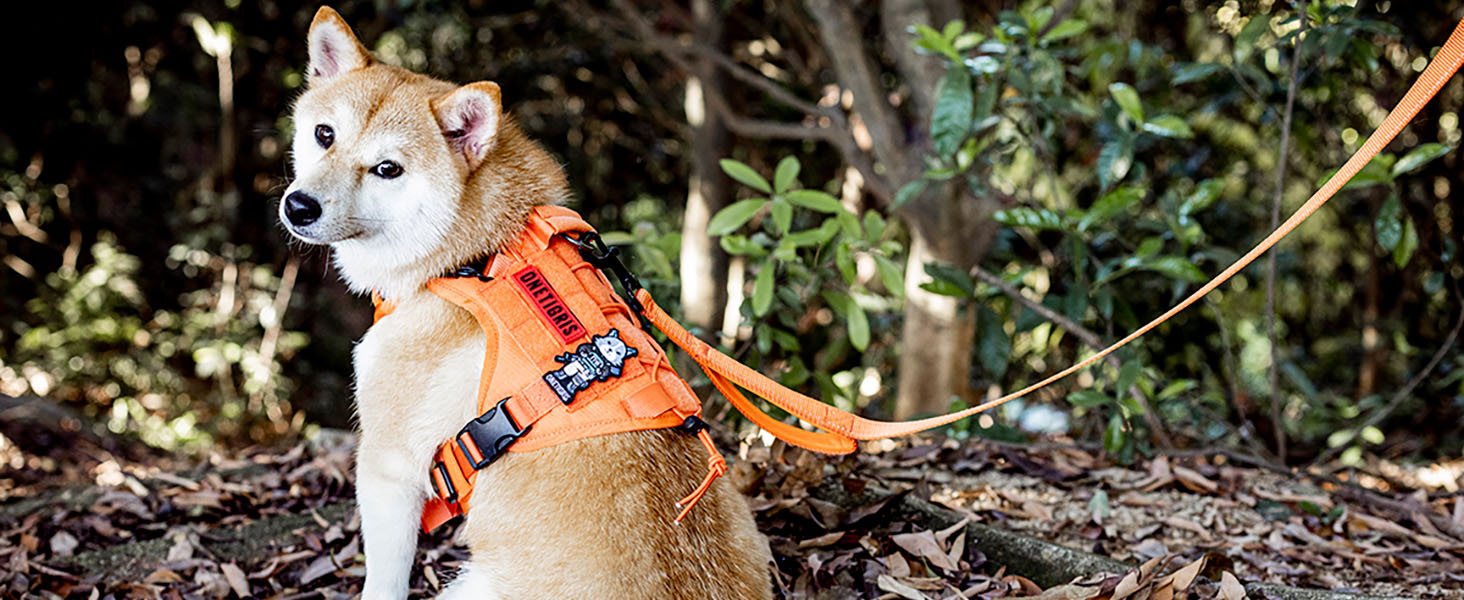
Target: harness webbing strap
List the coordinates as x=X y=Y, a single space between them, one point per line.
x=844 y=427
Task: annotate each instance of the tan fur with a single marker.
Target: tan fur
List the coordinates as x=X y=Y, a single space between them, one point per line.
x=585 y=519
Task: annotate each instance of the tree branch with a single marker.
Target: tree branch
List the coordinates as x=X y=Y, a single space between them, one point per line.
x=1275 y=370
x=855 y=70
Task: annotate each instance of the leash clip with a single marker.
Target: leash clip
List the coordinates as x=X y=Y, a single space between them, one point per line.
x=607 y=258
x=478 y=268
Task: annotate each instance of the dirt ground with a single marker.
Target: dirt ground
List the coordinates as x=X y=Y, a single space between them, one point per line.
x=280 y=524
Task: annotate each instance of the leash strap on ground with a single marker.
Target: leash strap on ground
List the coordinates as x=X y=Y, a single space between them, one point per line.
x=844 y=428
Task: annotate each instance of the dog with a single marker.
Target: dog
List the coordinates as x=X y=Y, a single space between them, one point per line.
x=407 y=177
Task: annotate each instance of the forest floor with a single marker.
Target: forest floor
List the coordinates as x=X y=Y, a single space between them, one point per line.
x=80 y=521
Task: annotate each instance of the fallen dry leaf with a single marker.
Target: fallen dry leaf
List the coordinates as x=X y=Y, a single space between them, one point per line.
x=63 y=544
x=237 y=581
x=893 y=586
x=1230 y=587
x=923 y=545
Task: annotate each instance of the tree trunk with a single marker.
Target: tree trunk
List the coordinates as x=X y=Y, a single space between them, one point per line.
x=938 y=338
x=703 y=263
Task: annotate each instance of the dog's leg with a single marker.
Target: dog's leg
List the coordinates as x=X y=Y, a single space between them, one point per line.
x=470 y=584
x=390 y=494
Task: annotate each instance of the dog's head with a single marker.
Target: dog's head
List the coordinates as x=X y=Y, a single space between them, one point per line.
x=404 y=176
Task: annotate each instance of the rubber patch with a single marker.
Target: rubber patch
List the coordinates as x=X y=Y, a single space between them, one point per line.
x=547 y=301
x=599 y=359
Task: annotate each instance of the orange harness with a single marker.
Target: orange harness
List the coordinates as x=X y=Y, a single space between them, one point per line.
x=567 y=360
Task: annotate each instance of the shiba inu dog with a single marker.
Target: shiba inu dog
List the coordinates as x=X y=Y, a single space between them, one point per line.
x=407 y=177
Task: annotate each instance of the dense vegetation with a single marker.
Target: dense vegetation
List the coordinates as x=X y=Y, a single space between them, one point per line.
x=962 y=177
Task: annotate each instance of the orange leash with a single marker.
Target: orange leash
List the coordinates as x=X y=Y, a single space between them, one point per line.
x=843 y=428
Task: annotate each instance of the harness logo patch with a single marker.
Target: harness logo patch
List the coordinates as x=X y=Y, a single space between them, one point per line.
x=551 y=308
x=599 y=359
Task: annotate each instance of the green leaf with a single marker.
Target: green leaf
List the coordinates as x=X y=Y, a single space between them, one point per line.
x=1114 y=436
x=874 y=226
x=909 y=192
x=1127 y=375
x=846 y=221
x=994 y=347
x=1114 y=161
x=952 y=29
x=1194 y=72
x=1110 y=205
x=737 y=245
x=1177 y=267
x=1404 y=252
x=1204 y=195
x=1127 y=99
x=954 y=103
x=891 y=274
x=1169 y=126
x=782 y=214
x=744 y=174
x=858 y=327
x=1022 y=216
x=968 y=40
x=815 y=200
x=735 y=215
x=762 y=290
x=1418 y=157
x=932 y=40
x=1389 y=223
x=948 y=281
x=813 y=237
x=1245 y=41
x=1064 y=30
x=1149 y=247
x=1089 y=398
x=1177 y=388
x=786 y=174
x=845 y=262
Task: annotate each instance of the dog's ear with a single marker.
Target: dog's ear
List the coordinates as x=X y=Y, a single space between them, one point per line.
x=469 y=118
x=334 y=49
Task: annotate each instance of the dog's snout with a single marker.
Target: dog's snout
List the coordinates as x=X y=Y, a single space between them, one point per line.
x=301 y=209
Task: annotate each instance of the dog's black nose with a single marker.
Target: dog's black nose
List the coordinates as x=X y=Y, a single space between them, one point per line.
x=301 y=209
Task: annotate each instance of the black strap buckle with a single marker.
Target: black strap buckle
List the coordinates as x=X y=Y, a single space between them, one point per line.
x=477 y=268
x=492 y=434
x=691 y=425
x=607 y=258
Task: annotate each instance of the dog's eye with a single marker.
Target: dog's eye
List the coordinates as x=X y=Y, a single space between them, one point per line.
x=387 y=170
x=324 y=135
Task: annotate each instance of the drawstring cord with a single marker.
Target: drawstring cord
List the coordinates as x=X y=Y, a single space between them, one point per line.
x=716 y=467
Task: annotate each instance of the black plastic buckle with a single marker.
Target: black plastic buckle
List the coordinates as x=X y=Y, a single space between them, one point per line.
x=478 y=268
x=607 y=258
x=451 y=496
x=492 y=433
x=692 y=425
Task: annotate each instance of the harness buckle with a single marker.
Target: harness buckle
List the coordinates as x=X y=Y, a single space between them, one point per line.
x=491 y=434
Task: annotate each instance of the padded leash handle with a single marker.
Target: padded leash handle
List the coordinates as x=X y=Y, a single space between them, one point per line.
x=844 y=428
